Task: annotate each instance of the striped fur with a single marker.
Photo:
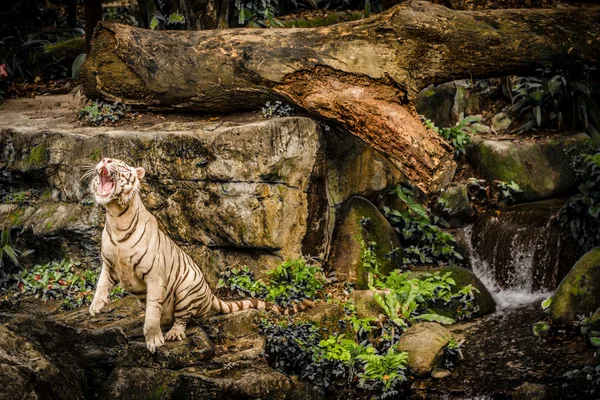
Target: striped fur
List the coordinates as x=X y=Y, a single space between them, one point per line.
x=148 y=263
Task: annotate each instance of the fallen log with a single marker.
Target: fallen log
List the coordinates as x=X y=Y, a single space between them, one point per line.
x=359 y=74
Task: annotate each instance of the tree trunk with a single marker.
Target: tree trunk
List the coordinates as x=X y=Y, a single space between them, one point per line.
x=360 y=74
x=92 y=10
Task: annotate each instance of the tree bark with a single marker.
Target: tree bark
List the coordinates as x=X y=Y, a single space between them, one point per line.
x=360 y=74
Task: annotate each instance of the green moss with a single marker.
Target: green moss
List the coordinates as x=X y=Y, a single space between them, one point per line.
x=428 y=93
x=95 y=155
x=37 y=155
x=48 y=225
x=15 y=217
x=67 y=46
x=579 y=292
x=17 y=197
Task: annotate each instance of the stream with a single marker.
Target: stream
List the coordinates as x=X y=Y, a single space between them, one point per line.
x=520 y=255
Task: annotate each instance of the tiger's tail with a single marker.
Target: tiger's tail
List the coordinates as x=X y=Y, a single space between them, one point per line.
x=226 y=307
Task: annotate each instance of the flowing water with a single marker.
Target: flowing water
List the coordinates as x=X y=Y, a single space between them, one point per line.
x=521 y=256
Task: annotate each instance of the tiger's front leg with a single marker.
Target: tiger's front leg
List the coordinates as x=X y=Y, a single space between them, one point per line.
x=103 y=288
x=155 y=298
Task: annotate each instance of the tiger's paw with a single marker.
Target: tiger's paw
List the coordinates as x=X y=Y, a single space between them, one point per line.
x=177 y=332
x=154 y=341
x=96 y=307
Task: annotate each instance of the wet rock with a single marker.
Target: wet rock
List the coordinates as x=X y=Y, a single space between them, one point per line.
x=425 y=343
x=541 y=168
x=360 y=221
x=455 y=205
x=579 y=291
x=436 y=103
x=533 y=391
x=484 y=302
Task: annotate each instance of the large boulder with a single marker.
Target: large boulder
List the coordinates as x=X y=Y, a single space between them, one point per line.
x=579 y=291
x=542 y=168
x=228 y=193
x=425 y=343
x=359 y=223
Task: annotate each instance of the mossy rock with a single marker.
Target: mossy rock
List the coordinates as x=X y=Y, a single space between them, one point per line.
x=579 y=291
x=484 y=301
x=541 y=168
x=359 y=221
x=328 y=317
x=455 y=206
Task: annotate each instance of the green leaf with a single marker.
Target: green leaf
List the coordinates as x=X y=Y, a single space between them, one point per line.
x=435 y=318
x=546 y=303
x=12 y=255
x=154 y=23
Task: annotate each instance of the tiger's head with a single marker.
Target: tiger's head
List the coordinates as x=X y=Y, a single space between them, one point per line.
x=115 y=181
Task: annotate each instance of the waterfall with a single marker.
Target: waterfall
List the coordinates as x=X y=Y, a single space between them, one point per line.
x=519 y=253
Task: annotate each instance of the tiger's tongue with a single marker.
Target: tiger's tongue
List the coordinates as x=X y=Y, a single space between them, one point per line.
x=107 y=184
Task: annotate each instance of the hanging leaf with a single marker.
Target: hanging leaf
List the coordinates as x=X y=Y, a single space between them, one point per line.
x=76 y=67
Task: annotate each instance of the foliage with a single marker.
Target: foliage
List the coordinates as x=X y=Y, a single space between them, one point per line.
x=59 y=280
x=289 y=282
x=297 y=347
x=276 y=109
x=422 y=240
x=555 y=99
x=8 y=251
x=258 y=13
x=171 y=21
x=410 y=300
x=103 y=113
x=459 y=135
x=289 y=346
x=385 y=370
x=581 y=213
x=294 y=280
x=492 y=195
x=507 y=190
x=546 y=303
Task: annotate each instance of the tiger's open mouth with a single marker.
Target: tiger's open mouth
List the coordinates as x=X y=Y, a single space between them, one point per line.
x=107 y=184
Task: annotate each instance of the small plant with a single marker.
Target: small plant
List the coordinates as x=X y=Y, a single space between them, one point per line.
x=581 y=214
x=276 y=109
x=103 y=113
x=423 y=241
x=59 y=280
x=459 y=135
x=258 y=13
x=291 y=281
x=544 y=100
x=507 y=190
x=171 y=21
x=8 y=252
x=385 y=371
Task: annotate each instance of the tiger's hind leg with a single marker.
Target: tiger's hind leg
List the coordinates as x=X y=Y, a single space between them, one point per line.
x=177 y=331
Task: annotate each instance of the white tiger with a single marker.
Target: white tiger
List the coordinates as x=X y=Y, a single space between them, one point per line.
x=147 y=262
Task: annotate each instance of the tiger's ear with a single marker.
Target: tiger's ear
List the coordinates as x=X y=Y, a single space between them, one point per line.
x=140 y=172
